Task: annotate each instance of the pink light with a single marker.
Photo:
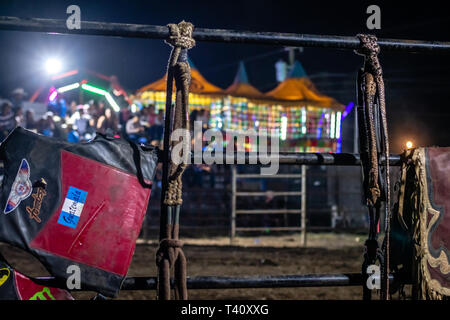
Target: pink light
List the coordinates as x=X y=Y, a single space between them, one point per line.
x=53 y=95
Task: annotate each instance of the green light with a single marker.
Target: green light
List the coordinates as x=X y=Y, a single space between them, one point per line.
x=104 y=93
x=68 y=87
x=90 y=88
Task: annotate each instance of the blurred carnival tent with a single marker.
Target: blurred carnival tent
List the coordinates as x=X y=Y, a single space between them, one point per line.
x=202 y=93
x=304 y=119
x=313 y=119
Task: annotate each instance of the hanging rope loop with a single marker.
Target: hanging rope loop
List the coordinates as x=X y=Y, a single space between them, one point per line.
x=374 y=105
x=170 y=254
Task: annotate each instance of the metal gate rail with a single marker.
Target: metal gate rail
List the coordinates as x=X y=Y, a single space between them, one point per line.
x=215 y=35
x=301 y=211
x=298 y=158
x=286 y=281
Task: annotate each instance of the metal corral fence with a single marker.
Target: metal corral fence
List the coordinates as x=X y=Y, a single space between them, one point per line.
x=230 y=36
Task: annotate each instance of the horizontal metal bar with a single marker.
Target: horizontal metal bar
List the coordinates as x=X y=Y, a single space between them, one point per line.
x=269 y=228
x=280 y=176
x=215 y=35
x=272 y=193
x=286 y=281
x=299 y=158
x=268 y=211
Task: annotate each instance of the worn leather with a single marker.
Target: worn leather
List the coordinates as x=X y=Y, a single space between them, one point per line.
x=115 y=176
x=16 y=286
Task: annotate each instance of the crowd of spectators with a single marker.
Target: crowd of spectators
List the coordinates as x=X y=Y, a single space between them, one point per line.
x=81 y=122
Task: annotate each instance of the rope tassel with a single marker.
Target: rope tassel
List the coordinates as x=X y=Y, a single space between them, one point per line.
x=170 y=255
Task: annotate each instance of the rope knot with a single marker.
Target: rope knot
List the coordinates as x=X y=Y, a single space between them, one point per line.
x=168 y=249
x=170 y=243
x=368 y=45
x=180 y=35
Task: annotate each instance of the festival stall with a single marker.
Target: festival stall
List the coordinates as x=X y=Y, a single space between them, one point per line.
x=202 y=93
x=311 y=121
x=295 y=111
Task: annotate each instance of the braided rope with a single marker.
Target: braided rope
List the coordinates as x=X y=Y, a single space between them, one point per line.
x=170 y=254
x=374 y=92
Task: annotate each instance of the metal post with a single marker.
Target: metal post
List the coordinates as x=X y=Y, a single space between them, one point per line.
x=303 y=206
x=233 y=203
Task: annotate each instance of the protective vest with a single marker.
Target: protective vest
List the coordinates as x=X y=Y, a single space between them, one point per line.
x=76 y=204
x=16 y=286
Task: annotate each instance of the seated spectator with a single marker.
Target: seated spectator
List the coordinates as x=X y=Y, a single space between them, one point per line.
x=18 y=95
x=46 y=125
x=73 y=135
x=30 y=123
x=80 y=119
x=151 y=115
x=108 y=121
x=7 y=120
x=19 y=117
x=134 y=129
x=156 y=130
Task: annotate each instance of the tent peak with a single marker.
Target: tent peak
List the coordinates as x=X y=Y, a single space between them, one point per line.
x=191 y=64
x=297 y=71
x=241 y=75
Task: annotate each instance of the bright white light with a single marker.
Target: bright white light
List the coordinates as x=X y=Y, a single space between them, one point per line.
x=68 y=87
x=112 y=102
x=333 y=125
x=53 y=66
x=303 y=120
x=283 y=127
x=338 y=125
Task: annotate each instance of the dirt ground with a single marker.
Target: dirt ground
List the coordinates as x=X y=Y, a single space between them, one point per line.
x=248 y=256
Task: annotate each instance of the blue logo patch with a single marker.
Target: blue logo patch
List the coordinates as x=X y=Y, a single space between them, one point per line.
x=72 y=207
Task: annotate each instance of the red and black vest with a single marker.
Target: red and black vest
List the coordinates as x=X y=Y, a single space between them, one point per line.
x=16 y=286
x=76 y=204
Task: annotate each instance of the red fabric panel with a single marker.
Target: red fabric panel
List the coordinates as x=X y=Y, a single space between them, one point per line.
x=439 y=167
x=106 y=233
x=436 y=274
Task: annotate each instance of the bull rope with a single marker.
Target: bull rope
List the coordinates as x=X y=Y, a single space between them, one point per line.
x=170 y=254
x=372 y=107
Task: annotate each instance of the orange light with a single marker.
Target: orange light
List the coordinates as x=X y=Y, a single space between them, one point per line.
x=409 y=144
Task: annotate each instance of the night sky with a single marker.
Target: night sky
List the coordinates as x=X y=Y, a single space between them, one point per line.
x=417 y=85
